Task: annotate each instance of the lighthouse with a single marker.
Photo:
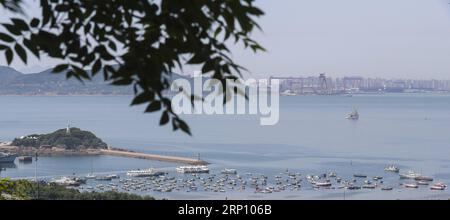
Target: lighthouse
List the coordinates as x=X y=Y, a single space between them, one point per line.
x=68 y=129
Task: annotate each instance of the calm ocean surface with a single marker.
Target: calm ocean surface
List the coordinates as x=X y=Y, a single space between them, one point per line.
x=312 y=137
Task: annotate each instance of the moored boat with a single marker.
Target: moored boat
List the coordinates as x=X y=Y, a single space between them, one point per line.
x=7 y=158
x=423 y=178
x=322 y=184
x=193 y=169
x=409 y=175
x=354 y=115
x=229 y=171
x=145 y=173
x=392 y=168
x=411 y=185
x=359 y=175
x=25 y=159
x=438 y=186
x=103 y=178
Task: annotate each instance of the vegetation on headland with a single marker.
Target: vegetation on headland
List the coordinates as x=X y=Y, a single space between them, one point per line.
x=75 y=139
x=26 y=190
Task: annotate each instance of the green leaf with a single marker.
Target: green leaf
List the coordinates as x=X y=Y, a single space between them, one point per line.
x=141 y=98
x=12 y=29
x=21 y=52
x=6 y=38
x=122 y=82
x=97 y=66
x=20 y=24
x=164 y=118
x=9 y=55
x=154 y=106
x=184 y=127
x=60 y=68
x=31 y=47
x=3 y=47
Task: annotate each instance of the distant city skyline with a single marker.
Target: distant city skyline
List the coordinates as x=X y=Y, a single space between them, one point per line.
x=408 y=39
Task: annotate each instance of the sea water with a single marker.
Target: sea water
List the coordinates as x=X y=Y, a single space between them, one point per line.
x=312 y=137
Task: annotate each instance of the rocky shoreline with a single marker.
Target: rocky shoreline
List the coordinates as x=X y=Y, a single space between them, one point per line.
x=54 y=151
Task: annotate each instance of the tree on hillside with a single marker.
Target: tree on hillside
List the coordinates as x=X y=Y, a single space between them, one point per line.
x=137 y=43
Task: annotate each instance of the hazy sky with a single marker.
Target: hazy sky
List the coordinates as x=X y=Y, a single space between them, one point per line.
x=385 y=38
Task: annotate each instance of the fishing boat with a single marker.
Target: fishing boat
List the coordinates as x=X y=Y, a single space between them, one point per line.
x=359 y=175
x=7 y=158
x=332 y=174
x=423 y=178
x=322 y=184
x=354 y=115
x=376 y=178
x=392 y=168
x=229 y=171
x=352 y=187
x=423 y=183
x=25 y=159
x=411 y=185
x=369 y=186
x=193 y=169
x=67 y=181
x=113 y=176
x=145 y=173
x=409 y=175
x=387 y=188
x=103 y=178
x=438 y=186
x=90 y=176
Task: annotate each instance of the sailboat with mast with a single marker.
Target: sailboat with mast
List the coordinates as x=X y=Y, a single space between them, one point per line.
x=91 y=174
x=354 y=115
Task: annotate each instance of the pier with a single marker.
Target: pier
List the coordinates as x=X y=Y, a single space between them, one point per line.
x=173 y=159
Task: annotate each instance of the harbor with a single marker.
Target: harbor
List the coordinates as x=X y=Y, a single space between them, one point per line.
x=168 y=180
x=320 y=140
x=220 y=182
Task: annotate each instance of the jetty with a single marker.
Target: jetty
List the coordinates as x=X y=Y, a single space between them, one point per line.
x=173 y=159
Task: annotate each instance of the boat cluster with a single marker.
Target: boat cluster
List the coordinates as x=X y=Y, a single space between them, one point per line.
x=197 y=178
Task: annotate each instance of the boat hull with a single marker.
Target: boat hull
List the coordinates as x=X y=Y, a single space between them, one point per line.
x=8 y=158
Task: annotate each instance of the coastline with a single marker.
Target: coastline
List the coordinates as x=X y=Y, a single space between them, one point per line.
x=118 y=152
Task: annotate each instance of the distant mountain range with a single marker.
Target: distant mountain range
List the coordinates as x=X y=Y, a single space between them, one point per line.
x=13 y=82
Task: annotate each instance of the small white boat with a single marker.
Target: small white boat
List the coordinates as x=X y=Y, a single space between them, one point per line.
x=103 y=178
x=322 y=184
x=354 y=115
x=392 y=168
x=438 y=186
x=410 y=175
x=411 y=185
x=376 y=178
x=387 y=188
x=66 y=181
x=332 y=174
x=90 y=176
x=423 y=183
x=113 y=176
x=229 y=171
